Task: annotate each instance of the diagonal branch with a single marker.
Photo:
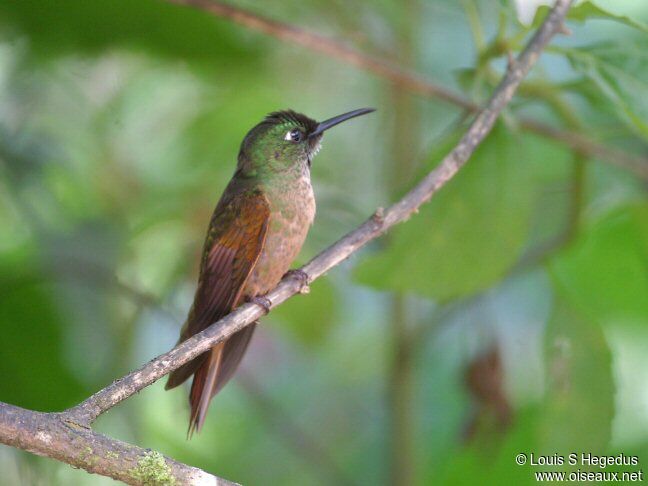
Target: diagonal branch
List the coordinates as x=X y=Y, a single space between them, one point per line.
x=65 y=436
x=375 y=226
x=410 y=80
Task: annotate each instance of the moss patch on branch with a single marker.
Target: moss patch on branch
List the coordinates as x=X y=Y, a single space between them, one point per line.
x=153 y=470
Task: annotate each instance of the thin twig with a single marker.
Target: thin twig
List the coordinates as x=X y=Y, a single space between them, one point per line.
x=411 y=81
x=64 y=436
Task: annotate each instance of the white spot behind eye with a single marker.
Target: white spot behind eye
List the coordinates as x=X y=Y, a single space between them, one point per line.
x=288 y=137
x=316 y=149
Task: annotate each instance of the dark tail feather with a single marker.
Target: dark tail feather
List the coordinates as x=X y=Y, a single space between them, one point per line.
x=179 y=376
x=202 y=389
x=233 y=353
x=214 y=372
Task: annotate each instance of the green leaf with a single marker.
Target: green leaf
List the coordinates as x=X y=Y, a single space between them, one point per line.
x=580 y=385
x=588 y=10
x=621 y=75
x=33 y=361
x=176 y=31
x=605 y=273
x=473 y=230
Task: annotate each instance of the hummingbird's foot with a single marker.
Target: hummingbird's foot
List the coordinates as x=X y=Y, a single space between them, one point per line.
x=262 y=301
x=302 y=277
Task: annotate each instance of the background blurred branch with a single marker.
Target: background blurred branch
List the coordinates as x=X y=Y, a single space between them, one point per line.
x=292 y=434
x=67 y=436
x=585 y=146
x=540 y=253
x=410 y=81
x=330 y=47
x=399 y=374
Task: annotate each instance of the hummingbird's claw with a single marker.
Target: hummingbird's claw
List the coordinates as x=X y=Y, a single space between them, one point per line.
x=302 y=277
x=263 y=302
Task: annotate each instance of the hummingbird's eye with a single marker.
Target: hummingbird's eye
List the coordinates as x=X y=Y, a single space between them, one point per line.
x=293 y=136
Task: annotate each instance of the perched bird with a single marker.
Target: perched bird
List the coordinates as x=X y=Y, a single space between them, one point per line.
x=256 y=231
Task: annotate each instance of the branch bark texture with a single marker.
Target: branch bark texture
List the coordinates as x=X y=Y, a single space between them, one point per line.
x=55 y=435
x=67 y=436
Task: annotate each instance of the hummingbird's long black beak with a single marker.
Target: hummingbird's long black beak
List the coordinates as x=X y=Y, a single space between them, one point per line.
x=331 y=122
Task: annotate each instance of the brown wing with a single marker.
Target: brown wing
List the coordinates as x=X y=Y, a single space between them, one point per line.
x=234 y=243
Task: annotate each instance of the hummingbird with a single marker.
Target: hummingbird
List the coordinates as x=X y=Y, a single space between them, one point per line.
x=255 y=233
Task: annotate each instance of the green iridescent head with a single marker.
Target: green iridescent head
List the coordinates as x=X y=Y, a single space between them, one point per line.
x=285 y=141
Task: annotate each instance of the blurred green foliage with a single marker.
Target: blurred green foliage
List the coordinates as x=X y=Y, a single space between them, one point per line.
x=119 y=126
x=514 y=164
x=620 y=74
